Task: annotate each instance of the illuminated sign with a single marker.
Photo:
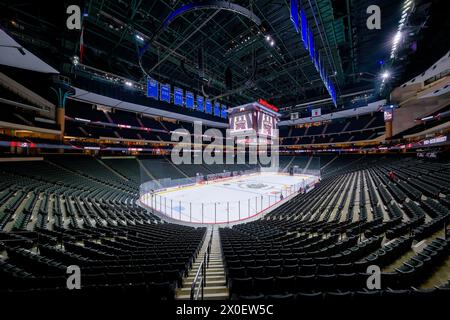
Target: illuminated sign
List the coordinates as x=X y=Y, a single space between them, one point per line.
x=435 y=140
x=22 y=144
x=294 y=14
x=267 y=105
x=307 y=38
x=83 y=120
x=388 y=115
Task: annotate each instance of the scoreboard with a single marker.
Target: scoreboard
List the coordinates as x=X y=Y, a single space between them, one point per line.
x=258 y=118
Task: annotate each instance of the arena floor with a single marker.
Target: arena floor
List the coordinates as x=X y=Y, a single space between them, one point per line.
x=227 y=200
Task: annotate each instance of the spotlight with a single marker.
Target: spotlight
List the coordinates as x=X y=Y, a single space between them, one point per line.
x=272 y=43
x=385 y=75
x=139 y=37
x=397 y=37
x=267 y=38
x=128 y=83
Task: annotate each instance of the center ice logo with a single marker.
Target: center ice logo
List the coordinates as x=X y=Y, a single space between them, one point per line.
x=256 y=185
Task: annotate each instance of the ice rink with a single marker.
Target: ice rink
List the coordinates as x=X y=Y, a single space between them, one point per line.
x=227 y=200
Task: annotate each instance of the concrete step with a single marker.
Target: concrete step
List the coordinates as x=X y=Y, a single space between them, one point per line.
x=209 y=282
x=189 y=279
x=211 y=261
x=208 y=296
x=212 y=289
x=211 y=268
x=211 y=265
x=209 y=273
x=215 y=273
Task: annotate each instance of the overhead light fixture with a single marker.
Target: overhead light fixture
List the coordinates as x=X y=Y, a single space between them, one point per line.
x=268 y=38
x=397 y=37
x=139 y=37
x=407 y=9
x=272 y=43
x=385 y=75
x=128 y=83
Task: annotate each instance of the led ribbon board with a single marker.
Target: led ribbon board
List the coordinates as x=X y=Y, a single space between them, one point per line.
x=308 y=42
x=304 y=30
x=294 y=14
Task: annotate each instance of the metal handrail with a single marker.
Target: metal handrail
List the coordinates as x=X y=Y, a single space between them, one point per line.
x=201 y=271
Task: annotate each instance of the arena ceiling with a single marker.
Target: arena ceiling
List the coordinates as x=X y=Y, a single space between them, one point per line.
x=285 y=76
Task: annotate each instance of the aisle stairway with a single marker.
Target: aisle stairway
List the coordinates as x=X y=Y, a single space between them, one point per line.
x=216 y=288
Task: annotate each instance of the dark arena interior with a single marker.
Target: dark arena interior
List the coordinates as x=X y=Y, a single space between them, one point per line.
x=254 y=152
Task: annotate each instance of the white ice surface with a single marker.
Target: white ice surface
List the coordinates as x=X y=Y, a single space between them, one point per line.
x=228 y=200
